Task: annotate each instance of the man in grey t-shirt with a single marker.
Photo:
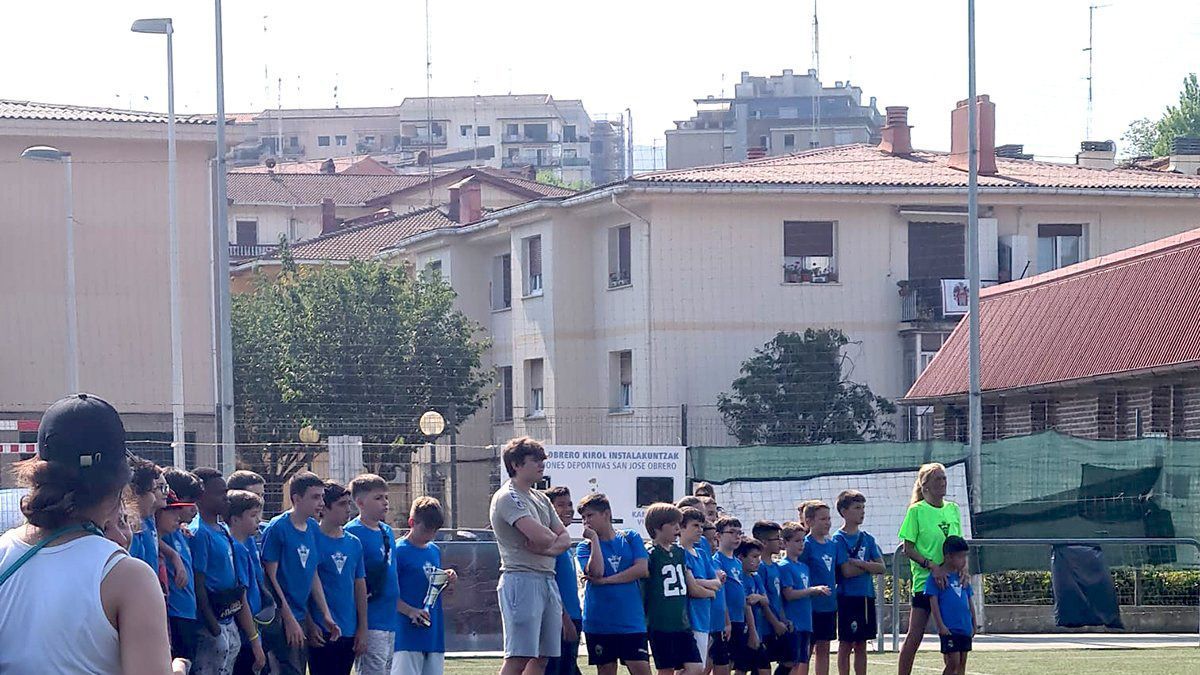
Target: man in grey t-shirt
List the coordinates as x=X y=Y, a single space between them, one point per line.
x=530 y=536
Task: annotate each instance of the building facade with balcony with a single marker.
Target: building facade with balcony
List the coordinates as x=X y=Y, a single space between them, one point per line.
x=610 y=308
x=771 y=116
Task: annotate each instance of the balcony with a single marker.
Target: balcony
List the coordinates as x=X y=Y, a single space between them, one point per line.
x=421 y=141
x=517 y=162
x=244 y=251
x=522 y=138
x=576 y=161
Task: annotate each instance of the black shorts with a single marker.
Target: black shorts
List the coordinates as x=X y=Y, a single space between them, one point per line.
x=803 y=646
x=856 y=618
x=781 y=648
x=673 y=649
x=824 y=626
x=746 y=659
x=184 y=633
x=605 y=648
x=718 y=649
x=920 y=601
x=955 y=643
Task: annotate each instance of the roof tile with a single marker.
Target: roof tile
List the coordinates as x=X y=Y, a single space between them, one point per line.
x=364 y=239
x=28 y=110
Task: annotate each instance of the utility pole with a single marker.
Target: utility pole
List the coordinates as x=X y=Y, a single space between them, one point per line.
x=629 y=142
x=429 y=99
x=976 y=399
x=221 y=227
x=815 y=141
x=1087 y=136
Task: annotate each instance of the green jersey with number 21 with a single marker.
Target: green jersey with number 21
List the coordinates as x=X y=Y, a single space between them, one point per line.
x=666 y=590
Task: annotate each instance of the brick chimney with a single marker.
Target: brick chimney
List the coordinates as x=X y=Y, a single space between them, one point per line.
x=466 y=201
x=328 y=166
x=756 y=152
x=987 y=136
x=1185 y=155
x=1097 y=155
x=328 y=216
x=896 y=137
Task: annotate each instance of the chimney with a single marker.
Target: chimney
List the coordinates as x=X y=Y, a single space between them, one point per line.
x=1012 y=151
x=1097 y=155
x=757 y=152
x=328 y=166
x=470 y=202
x=987 y=136
x=896 y=133
x=328 y=216
x=1185 y=155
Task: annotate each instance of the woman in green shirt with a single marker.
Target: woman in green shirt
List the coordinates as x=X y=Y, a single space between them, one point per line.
x=929 y=520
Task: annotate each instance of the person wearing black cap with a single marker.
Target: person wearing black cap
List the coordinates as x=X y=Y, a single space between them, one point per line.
x=71 y=601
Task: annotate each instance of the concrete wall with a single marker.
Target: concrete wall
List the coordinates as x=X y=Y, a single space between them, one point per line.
x=688 y=148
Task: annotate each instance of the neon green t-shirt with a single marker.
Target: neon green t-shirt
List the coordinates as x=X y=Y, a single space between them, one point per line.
x=928 y=528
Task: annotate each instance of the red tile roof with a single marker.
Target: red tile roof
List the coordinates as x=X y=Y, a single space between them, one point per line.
x=363 y=165
x=28 y=110
x=297 y=189
x=1128 y=312
x=363 y=238
x=866 y=166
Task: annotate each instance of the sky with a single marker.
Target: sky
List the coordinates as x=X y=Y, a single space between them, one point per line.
x=653 y=57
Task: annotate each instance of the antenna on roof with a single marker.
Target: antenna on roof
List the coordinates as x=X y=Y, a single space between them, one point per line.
x=337 y=77
x=279 y=118
x=266 y=66
x=815 y=141
x=1087 y=134
x=429 y=99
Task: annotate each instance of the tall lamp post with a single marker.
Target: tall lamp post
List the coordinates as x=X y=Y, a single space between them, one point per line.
x=432 y=424
x=221 y=273
x=46 y=153
x=178 y=430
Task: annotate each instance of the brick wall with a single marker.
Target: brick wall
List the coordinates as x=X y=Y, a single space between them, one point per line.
x=1108 y=410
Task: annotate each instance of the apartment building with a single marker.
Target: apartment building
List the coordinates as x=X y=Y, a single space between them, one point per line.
x=770 y=116
x=501 y=131
x=118 y=204
x=611 y=308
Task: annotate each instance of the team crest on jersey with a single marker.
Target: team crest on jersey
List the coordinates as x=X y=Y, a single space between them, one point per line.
x=302 y=551
x=804 y=579
x=429 y=568
x=828 y=560
x=339 y=560
x=945 y=528
x=853 y=626
x=957 y=586
x=615 y=561
x=516 y=500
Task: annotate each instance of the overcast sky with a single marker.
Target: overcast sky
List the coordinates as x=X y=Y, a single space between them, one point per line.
x=651 y=56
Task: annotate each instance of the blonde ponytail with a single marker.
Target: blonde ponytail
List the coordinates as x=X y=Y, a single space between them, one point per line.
x=922 y=476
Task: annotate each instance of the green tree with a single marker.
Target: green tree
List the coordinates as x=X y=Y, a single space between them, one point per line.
x=792 y=391
x=1146 y=137
x=360 y=350
x=547 y=177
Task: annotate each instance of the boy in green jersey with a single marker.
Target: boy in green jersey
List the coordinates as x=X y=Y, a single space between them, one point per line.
x=666 y=593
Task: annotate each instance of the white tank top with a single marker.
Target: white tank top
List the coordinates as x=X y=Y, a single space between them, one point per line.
x=51 y=617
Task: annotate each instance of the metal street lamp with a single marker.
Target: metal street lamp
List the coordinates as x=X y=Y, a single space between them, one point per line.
x=221 y=301
x=178 y=430
x=46 y=153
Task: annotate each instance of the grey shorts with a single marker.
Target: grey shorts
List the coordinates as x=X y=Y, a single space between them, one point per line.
x=531 y=610
x=380 y=648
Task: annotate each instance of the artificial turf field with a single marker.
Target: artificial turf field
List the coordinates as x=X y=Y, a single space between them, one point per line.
x=1162 y=661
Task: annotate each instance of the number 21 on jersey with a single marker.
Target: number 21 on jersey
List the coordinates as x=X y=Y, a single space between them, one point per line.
x=673 y=581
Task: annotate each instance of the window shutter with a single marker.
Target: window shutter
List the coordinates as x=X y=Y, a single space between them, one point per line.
x=1060 y=230
x=535 y=256
x=802 y=239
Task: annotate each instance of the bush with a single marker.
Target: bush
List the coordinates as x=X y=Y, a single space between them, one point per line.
x=1159 y=587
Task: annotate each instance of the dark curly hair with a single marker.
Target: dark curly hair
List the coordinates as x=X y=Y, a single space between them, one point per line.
x=145 y=473
x=59 y=494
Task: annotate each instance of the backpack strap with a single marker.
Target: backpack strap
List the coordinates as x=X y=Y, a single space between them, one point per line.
x=53 y=536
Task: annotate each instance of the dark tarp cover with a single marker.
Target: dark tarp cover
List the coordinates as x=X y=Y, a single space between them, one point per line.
x=1084 y=594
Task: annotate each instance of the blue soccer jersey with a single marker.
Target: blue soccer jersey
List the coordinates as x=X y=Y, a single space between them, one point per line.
x=415 y=566
x=340 y=564
x=296 y=554
x=858 y=546
x=822 y=559
x=614 y=608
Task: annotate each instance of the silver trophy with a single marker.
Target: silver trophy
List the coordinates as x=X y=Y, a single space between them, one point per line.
x=438 y=579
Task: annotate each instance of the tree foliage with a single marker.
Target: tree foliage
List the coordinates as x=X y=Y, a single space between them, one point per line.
x=792 y=391
x=1147 y=137
x=358 y=350
x=548 y=177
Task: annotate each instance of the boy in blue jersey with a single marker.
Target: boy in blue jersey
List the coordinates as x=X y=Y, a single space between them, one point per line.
x=704 y=570
x=729 y=535
x=856 y=589
x=245 y=512
x=219 y=597
x=149 y=490
x=822 y=556
x=613 y=562
x=182 y=623
x=751 y=656
x=370 y=493
x=420 y=647
x=250 y=482
x=951 y=607
x=289 y=556
x=566 y=576
x=797 y=594
x=342 y=574
x=780 y=642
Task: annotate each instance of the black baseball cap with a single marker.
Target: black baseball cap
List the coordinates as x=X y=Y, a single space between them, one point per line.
x=82 y=430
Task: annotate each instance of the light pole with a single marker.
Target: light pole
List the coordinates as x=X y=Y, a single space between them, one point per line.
x=46 y=153
x=165 y=27
x=432 y=424
x=221 y=274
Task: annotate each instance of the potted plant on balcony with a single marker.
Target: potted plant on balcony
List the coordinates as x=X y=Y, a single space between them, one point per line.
x=793 y=273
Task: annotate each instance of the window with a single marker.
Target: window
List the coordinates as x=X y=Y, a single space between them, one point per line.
x=434 y=267
x=1059 y=246
x=247 y=232
x=841 y=137
x=483 y=130
x=535 y=405
x=808 y=252
x=511 y=130
x=397 y=141
x=954 y=424
x=789 y=140
x=621 y=373
x=369 y=140
x=323 y=141
x=763 y=142
x=654 y=490
x=437 y=129
x=340 y=140
x=993 y=422
x=464 y=130
x=502 y=281
x=619 y=257
x=532 y=248
x=537 y=132
x=1106 y=415
x=1041 y=415
x=504 y=394
x=569 y=133
x=293 y=142
x=789 y=113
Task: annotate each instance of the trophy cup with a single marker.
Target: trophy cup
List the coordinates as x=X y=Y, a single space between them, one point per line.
x=437 y=582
